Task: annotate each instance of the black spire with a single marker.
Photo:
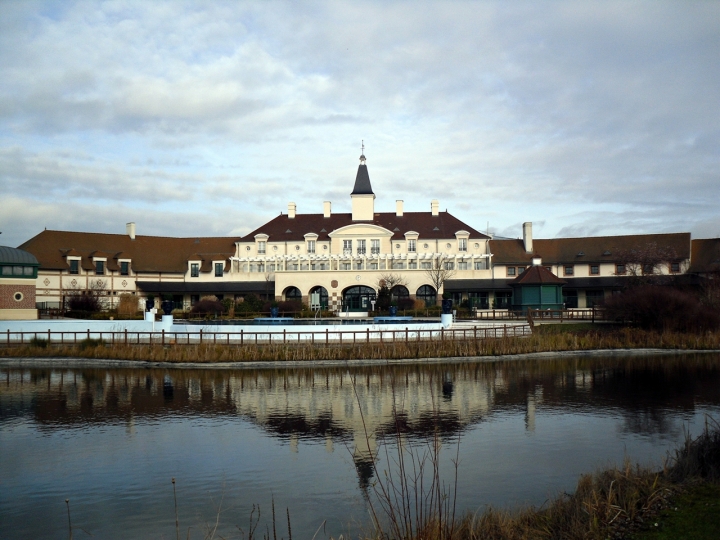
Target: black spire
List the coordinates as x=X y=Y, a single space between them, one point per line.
x=362 y=180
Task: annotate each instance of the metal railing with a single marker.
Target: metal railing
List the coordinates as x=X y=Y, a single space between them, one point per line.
x=589 y=314
x=242 y=337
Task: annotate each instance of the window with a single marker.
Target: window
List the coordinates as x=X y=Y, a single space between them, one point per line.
x=594 y=298
x=427 y=294
x=412 y=265
x=7 y=270
x=510 y=270
x=480 y=265
x=397 y=266
x=194 y=270
x=521 y=269
x=361 y=247
x=219 y=269
x=261 y=268
x=412 y=246
x=426 y=265
x=449 y=266
x=648 y=269
x=347 y=247
x=594 y=270
x=75 y=266
x=99 y=267
x=375 y=247
x=194 y=299
x=620 y=269
x=373 y=266
x=462 y=265
x=261 y=247
x=344 y=266
x=311 y=246
x=125 y=268
x=569 y=270
x=462 y=244
x=570 y=299
x=674 y=267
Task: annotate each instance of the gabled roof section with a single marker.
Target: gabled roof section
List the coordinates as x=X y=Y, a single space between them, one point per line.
x=594 y=249
x=537 y=275
x=442 y=226
x=147 y=253
x=362 y=182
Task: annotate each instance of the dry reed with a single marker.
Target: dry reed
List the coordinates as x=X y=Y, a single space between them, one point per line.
x=625 y=338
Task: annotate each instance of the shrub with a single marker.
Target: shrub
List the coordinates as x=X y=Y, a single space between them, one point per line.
x=662 y=308
x=84 y=302
x=127 y=304
x=419 y=304
x=207 y=307
x=89 y=343
x=290 y=305
x=39 y=342
x=250 y=304
x=406 y=303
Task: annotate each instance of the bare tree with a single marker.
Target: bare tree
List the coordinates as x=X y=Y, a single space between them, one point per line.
x=442 y=269
x=91 y=299
x=391 y=280
x=643 y=262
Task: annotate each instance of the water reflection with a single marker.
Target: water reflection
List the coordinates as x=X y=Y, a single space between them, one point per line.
x=360 y=408
x=322 y=403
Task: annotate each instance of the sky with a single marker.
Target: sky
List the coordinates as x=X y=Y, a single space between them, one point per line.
x=207 y=118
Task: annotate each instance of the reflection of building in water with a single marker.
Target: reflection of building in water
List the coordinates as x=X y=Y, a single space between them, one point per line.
x=363 y=406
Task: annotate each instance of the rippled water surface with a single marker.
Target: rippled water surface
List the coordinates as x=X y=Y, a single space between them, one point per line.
x=111 y=440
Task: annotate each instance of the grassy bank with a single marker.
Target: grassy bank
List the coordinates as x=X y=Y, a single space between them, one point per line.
x=627 y=502
x=549 y=338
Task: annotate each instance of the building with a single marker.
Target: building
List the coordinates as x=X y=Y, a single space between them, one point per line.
x=338 y=260
x=18 y=272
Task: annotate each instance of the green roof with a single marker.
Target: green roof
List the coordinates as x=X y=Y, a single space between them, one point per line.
x=14 y=256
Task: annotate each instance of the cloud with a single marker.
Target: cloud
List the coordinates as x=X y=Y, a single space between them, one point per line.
x=580 y=114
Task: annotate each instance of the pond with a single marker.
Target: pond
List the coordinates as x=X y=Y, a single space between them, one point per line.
x=316 y=440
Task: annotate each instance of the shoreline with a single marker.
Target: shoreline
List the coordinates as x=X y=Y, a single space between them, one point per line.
x=77 y=362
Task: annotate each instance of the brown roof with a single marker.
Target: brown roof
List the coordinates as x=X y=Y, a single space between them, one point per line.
x=425 y=224
x=595 y=249
x=705 y=256
x=147 y=253
x=537 y=275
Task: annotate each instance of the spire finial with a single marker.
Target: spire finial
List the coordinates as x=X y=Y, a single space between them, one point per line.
x=362 y=152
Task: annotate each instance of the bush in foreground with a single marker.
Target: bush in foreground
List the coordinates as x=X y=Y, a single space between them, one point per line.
x=663 y=309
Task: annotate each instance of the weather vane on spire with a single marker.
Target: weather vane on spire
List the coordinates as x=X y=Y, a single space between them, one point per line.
x=362 y=151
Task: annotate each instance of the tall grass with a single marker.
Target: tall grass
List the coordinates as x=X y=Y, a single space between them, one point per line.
x=625 y=338
x=608 y=504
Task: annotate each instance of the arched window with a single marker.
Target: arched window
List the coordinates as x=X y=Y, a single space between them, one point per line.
x=322 y=291
x=293 y=293
x=428 y=294
x=399 y=293
x=358 y=298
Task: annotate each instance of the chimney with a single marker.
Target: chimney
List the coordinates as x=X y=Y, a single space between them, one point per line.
x=130 y=230
x=326 y=209
x=435 y=207
x=527 y=237
x=291 y=210
x=398 y=208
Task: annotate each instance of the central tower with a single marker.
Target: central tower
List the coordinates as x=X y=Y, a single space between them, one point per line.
x=363 y=198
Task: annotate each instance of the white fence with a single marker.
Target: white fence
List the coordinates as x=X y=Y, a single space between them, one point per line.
x=242 y=337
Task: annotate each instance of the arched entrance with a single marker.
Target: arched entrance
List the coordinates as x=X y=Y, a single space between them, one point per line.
x=322 y=297
x=428 y=294
x=358 y=298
